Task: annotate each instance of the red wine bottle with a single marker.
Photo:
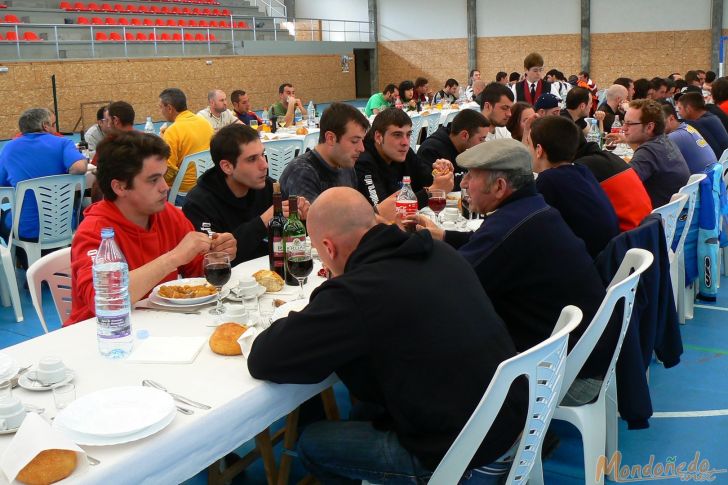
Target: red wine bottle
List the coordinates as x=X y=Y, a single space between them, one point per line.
x=276 y=256
x=294 y=236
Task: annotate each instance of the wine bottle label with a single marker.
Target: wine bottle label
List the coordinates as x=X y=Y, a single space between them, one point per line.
x=278 y=252
x=296 y=245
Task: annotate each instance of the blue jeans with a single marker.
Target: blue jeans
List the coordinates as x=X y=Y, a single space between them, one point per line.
x=346 y=452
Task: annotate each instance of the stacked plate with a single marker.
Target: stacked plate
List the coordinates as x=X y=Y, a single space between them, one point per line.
x=116 y=415
x=8 y=367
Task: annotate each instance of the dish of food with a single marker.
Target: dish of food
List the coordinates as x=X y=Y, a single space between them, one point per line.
x=189 y=291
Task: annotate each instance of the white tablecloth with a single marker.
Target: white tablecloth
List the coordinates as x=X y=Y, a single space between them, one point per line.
x=241 y=406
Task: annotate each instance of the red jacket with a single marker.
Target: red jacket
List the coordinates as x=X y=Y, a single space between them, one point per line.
x=139 y=246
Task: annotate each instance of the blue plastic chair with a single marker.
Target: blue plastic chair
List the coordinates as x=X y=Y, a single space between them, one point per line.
x=55 y=196
x=202 y=162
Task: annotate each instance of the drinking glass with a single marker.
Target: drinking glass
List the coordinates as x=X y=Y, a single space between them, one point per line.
x=437 y=201
x=254 y=124
x=299 y=263
x=465 y=204
x=64 y=395
x=217 y=272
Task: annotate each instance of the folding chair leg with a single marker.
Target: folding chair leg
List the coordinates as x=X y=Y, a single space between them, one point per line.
x=11 y=284
x=265 y=446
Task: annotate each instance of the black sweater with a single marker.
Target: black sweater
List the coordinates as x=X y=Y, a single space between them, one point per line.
x=211 y=200
x=409 y=327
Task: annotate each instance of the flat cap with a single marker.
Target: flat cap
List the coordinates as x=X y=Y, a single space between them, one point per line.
x=546 y=101
x=501 y=154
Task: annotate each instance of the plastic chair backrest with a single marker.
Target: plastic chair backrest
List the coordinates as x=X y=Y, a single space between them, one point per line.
x=544 y=365
x=450 y=116
x=101 y=36
x=670 y=214
x=115 y=36
x=623 y=285
x=30 y=36
x=310 y=141
x=82 y=21
x=54 y=269
x=279 y=154
x=433 y=123
x=12 y=35
x=123 y=21
x=691 y=190
x=202 y=162
x=55 y=196
x=416 y=128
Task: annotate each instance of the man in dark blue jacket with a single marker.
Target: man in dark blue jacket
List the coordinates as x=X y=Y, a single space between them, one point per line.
x=422 y=366
x=529 y=262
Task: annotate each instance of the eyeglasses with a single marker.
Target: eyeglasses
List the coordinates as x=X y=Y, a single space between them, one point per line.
x=632 y=123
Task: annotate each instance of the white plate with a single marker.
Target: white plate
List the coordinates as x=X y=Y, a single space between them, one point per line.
x=86 y=440
x=292 y=306
x=8 y=367
x=184 y=301
x=26 y=383
x=260 y=290
x=116 y=412
x=157 y=300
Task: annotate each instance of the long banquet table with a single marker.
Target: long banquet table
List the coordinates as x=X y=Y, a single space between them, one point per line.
x=242 y=406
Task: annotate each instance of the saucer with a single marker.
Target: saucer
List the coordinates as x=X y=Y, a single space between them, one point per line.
x=233 y=296
x=26 y=383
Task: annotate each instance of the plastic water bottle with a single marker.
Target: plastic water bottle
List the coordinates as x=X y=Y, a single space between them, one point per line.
x=406 y=204
x=311 y=113
x=594 y=134
x=149 y=126
x=111 y=285
x=297 y=117
x=398 y=103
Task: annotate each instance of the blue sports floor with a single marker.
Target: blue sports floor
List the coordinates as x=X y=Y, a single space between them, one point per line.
x=693 y=390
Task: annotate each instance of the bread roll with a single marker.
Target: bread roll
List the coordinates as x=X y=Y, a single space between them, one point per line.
x=302 y=131
x=49 y=466
x=270 y=279
x=224 y=340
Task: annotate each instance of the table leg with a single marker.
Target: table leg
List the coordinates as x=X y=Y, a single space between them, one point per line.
x=289 y=444
x=265 y=446
x=330 y=407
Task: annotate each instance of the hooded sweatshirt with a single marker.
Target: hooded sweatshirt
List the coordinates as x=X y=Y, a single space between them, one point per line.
x=212 y=201
x=139 y=246
x=400 y=334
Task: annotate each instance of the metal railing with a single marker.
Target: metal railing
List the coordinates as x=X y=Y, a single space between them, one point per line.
x=73 y=41
x=273 y=8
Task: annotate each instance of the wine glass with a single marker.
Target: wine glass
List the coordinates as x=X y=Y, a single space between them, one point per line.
x=254 y=124
x=437 y=201
x=299 y=263
x=465 y=204
x=217 y=272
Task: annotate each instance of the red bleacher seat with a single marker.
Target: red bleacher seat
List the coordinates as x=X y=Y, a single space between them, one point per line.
x=106 y=8
x=80 y=7
x=82 y=21
x=118 y=7
x=2 y=37
x=186 y=11
x=148 y=22
x=142 y=9
x=135 y=21
x=224 y=24
x=241 y=25
x=176 y=11
x=182 y=23
x=30 y=36
x=196 y=11
x=177 y=37
x=152 y=36
x=188 y=37
x=225 y=12
x=12 y=19
x=97 y=21
x=129 y=36
x=153 y=9
x=213 y=24
x=115 y=36
x=203 y=23
x=122 y=21
x=110 y=21
x=206 y=11
x=93 y=7
x=131 y=8
x=159 y=23
x=192 y=23
x=141 y=36
x=65 y=6
x=101 y=37
x=212 y=38
x=199 y=37
x=171 y=23
x=165 y=37
x=11 y=36
x=164 y=10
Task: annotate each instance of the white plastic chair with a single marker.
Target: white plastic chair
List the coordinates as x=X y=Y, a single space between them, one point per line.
x=54 y=269
x=55 y=196
x=450 y=116
x=544 y=365
x=202 y=161
x=597 y=421
x=417 y=122
x=9 y=293
x=433 y=122
x=670 y=213
x=686 y=297
x=279 y=154
x=310 y=141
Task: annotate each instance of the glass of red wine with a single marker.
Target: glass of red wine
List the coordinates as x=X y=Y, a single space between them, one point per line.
x=217 y=272
x=299 y=263
x=437 y=201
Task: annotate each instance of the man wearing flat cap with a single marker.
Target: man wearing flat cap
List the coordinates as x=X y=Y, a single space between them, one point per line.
x=528 y=260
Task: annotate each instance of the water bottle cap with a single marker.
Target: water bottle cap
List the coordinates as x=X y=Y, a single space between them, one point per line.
x=107 y=232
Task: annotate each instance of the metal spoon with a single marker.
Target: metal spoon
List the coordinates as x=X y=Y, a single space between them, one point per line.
x=182 y=399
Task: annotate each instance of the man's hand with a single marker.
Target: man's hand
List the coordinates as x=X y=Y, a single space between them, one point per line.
x=224 y=242
x=193 y=244
x=424 y=222
x=615 y=138
x=386 y=208
x=443 y=165
x=526 y=137
x=303 y=206
x=444 y=182
x=599 y=115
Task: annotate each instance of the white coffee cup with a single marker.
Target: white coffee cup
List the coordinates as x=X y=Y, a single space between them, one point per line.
x=12 y=411
x=234 y=313
x=450 y=214
x=50 y=370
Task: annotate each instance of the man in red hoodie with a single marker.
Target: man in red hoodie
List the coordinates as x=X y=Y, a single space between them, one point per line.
x=155 y=237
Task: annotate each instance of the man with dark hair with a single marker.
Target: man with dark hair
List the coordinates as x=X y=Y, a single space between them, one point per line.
x=95 y=133
x=584 y=81
x=120 y=116
x=422 y=88
x=719 y=91
x=241 y=107
x=236 y=195
x=532 y=86
x=448 y=94
x=578 y=103
x=156 y=239
x=501 y=77
x=415 y=389
x=495 y=103
x=692 y=109
x=473 y=76
x=569 y=188
x=188 y=134
x=379 y=101
x=693 y=79
x=467 y=129
x=37 y=152
x=627 y=83
x=695 y=150
x=675 y=76
x=657 y=160
x=388 y=157
x=513 y=78
x=527 y=258
x=331 y=162
x=658 y=86
x=287 y=104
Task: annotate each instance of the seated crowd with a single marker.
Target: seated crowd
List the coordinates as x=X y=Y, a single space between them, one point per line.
x=547 y=194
